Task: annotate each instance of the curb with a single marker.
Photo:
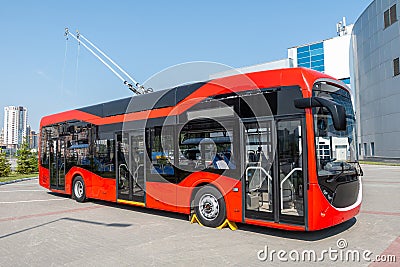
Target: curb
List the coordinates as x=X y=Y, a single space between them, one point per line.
x=18 y=180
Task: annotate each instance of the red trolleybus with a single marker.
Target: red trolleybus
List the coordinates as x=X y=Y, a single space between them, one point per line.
x=273 y=148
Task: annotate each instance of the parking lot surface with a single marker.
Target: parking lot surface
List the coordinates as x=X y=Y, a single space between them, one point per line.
x=39 y=228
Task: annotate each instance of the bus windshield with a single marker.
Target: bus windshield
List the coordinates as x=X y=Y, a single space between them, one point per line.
x=335 y=150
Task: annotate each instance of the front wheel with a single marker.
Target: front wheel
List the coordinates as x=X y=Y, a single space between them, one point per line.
x=78 y=189
x=210 y=206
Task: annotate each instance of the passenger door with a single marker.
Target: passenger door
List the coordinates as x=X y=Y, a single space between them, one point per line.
x=273 y=174
x=290 y=173
x=259 y=170
x=57 y=163
x=130 y=166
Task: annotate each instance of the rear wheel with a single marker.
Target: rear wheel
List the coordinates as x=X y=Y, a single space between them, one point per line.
x=78 y=189
x=209 y=206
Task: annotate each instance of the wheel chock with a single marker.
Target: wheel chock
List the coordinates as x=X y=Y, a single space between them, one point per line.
x=231 y=225
x=194 y=219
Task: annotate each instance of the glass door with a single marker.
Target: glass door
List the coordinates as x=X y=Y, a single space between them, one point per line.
x=136 y=165
x=57 y=163
x=290 y=171
x=259 y=170
x=273 y=174
x=130 y=166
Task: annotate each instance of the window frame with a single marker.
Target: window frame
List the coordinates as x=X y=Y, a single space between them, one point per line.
x=396 y=67
x=390 y=16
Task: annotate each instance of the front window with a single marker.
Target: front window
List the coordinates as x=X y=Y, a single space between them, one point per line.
x=333 y=147
x=335 y=150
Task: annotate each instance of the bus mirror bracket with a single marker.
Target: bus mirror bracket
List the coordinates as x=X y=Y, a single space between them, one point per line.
x=337 y=111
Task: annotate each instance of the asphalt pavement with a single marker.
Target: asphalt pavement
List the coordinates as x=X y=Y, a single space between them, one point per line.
x=39 y=228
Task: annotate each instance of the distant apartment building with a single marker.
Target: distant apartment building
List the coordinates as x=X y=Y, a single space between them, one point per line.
x=32 y=138
x=15 y=126
x=2 y=138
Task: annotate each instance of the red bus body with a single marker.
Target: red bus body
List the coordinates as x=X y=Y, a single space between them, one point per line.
x=176 y=197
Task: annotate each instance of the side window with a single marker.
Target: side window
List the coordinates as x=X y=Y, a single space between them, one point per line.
x=206 y=144
x=162 y=150
x=103 y=158
x=259 y=144
x=44 y=147
x=80 y=146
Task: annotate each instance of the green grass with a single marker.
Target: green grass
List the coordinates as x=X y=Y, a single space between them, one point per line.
x=15 y=176
x=379 y=163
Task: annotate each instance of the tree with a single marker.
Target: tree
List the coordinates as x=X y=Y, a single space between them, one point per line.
x=26 y=160
x=5 y=168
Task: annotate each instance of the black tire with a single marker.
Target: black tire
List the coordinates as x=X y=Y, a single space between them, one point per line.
x=78 y=189
x=209 y=206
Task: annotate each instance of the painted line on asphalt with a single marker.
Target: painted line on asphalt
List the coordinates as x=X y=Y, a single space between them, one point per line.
x=16 y=185
x=381 y=213
x=33 y=200
x=23 y=190
x=18 y=180
x=394 y=250
x=48 y=213
x=23 y=184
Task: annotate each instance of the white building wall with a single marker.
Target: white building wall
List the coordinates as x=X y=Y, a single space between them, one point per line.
x=292 y=54
x=337 y=57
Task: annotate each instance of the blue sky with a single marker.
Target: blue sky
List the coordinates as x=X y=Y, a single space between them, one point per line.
x=143 y=37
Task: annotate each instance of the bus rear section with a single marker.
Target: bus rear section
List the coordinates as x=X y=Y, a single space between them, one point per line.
x=271 y=153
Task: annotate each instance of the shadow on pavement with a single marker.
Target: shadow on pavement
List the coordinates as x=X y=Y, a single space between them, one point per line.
x=305 y=236
x=66 y=219
x=170 y=214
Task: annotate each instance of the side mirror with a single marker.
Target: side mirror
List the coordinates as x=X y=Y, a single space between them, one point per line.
x=337 y=111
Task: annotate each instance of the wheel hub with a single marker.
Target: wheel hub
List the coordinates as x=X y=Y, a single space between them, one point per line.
x=209 y=207
x=78 y=189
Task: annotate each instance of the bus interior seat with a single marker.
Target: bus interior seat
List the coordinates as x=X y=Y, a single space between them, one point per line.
x=229 y=161
x=287 y=192
x=221 y=165
x=251 y=156
x=254 y=195
x=168 y=170
x=219 y=162
x=103 y=167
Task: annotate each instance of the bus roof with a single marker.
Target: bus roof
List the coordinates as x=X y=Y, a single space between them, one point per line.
x=178 y=99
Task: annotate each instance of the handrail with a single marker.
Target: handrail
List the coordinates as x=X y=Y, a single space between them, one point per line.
x=284 y=179
x=136 y=176
x=264 y=171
